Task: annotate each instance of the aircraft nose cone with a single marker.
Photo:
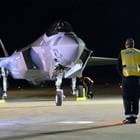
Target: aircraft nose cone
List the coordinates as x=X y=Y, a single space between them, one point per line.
x=65 y=49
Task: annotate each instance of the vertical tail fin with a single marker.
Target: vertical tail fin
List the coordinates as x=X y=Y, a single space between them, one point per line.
x=3 y=48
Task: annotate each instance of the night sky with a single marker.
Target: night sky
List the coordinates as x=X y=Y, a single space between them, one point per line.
x=102 y=24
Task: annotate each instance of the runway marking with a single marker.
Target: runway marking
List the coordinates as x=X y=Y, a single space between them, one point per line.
x=75 y=122
x=8 y=123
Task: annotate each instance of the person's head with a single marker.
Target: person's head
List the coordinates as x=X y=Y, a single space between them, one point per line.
x=59 y=26
x=129 y=43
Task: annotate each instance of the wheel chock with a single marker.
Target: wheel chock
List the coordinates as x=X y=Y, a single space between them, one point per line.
x=83 y=97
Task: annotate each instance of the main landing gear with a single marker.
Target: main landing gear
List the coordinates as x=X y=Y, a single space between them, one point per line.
x=59 y=92
x=3 y=90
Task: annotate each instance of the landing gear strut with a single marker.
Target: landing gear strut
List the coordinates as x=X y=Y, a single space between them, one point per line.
x=3 y=91
x=74 y=89
x=59 y=92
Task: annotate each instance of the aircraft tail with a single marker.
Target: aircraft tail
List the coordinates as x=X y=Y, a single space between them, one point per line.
x=4 y=49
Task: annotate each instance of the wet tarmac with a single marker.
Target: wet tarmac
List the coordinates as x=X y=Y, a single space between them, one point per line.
x=37 y=118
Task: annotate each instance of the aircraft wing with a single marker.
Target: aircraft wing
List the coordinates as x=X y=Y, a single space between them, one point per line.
x=97 y=61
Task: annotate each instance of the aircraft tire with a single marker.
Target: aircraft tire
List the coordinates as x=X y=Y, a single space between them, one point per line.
x=59 y=99
x=80 y=91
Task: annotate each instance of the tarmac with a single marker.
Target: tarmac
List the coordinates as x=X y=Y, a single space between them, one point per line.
x=34 y=116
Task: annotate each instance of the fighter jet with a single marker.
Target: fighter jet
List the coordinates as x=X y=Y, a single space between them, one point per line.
x=59 y=53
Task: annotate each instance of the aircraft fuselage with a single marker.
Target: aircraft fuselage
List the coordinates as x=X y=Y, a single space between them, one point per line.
x=39 y=60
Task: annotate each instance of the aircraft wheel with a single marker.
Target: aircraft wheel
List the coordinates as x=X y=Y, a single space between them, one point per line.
x=59 y=98
x=80 y=91
x=4 y=96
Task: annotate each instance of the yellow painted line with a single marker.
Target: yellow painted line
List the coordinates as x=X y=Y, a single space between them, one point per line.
x=2 y=101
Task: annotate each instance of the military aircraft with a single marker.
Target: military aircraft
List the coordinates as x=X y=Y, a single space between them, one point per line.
x=57 y=54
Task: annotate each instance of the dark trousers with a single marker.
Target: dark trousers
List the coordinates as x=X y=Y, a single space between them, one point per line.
x=131 y=94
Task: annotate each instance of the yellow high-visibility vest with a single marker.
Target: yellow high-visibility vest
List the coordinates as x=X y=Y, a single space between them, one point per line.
x=130 y=62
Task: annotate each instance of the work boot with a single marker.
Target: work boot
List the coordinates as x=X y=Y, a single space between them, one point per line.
x=131 y=120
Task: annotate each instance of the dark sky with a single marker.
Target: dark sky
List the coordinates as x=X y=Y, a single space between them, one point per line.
x=102 y=24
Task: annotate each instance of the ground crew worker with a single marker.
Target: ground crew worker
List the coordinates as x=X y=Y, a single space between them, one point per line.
x=88 y=85
x=129 y=68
